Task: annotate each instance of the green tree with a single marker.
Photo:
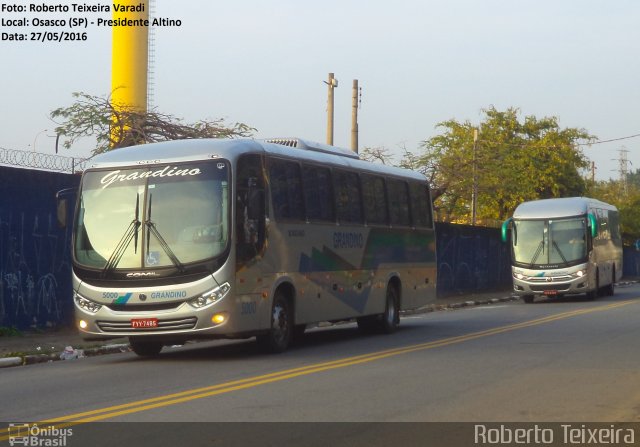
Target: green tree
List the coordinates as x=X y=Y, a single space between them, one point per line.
x=114 y=126
x=513 y=161
x=627 y=200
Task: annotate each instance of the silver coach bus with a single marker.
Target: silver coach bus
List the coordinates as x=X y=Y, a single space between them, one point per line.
x=239 y=238
x=564 y=246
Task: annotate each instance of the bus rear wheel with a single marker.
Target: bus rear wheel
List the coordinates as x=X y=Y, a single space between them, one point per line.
x=279 y=336
x=391 y=316
x=145 y=348
x=387 y=322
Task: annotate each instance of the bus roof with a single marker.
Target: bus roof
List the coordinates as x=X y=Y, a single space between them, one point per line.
x=555 y=208
x=205 y=149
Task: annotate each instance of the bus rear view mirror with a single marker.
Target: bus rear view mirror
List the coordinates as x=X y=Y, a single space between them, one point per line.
x=505 y=229
x=62 y=205
x=594 y=225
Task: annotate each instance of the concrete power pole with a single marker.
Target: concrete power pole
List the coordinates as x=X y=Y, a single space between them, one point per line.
x=474 y=187
x=332 y=83
x=354 y=117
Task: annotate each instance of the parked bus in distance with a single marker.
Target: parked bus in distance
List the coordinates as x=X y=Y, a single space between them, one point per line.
x=239 y=238
x=564 y=246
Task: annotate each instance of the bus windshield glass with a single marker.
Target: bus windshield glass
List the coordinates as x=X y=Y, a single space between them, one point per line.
x=552 y=241
x=152 y=217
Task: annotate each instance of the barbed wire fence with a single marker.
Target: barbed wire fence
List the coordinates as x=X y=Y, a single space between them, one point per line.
x=37 y=160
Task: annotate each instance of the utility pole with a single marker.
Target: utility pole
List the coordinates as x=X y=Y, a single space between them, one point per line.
x=354 y=117
x=332 y=83
x=474 y=187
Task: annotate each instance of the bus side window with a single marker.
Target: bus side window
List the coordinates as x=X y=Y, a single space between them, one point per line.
x=398 y=197
x=250 y=208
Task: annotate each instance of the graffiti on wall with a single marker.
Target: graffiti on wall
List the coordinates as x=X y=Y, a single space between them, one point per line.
x=471 y=259
x=35 y=270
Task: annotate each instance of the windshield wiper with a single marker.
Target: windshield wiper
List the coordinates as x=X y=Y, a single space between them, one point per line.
x=130 y=233
x=560 y=253
x=151 y=229
x=537 y=253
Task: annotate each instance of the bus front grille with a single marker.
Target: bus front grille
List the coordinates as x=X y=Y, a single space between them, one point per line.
x=176 y=324
x=543 y=287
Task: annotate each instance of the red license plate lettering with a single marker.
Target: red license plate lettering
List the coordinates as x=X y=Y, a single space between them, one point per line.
x=138 y=323
x=550 y=292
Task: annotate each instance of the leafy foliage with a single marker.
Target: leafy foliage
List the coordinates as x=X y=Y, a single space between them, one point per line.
x=626 y=199
x=512 y=160
x=115 y=125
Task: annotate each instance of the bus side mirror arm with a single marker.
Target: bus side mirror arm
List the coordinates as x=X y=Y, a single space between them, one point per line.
x=505 y=228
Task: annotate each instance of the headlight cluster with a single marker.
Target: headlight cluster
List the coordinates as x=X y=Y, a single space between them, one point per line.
x=88 y=305
x=519 y=276
x=579 y=273
x=206 y=299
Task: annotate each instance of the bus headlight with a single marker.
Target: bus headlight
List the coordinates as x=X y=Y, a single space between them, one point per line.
x=519 y=275
x=88 y=305
x=580 y=273
x=206 y=299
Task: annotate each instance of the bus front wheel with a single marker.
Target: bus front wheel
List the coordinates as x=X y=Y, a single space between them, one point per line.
x=279 y=336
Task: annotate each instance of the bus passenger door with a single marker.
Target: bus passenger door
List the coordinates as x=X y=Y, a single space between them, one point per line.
x=250 y=210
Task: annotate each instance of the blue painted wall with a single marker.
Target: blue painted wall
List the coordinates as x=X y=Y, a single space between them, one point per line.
x=35 y=271
x=471 y=259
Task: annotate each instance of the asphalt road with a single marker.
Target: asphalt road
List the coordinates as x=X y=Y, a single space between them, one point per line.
x=562 y=360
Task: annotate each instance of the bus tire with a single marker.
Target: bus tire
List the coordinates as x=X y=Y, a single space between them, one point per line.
x=391 y=316
x=611 y=288
x=279 y=336
x=592 y=295
x=528 y=298
x=145 y=348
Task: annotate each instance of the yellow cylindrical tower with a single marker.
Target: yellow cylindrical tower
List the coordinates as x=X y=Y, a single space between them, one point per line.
x=129 y=55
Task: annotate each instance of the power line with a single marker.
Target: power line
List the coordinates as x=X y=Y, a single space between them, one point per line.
x=609 y=141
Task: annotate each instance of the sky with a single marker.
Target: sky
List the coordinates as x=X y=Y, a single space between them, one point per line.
x=418 y=62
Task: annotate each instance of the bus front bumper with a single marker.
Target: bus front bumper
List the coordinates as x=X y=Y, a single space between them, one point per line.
x=550 y=285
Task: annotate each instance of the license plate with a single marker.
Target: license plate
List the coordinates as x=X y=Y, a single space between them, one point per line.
x=138 y=323
x=550 y=292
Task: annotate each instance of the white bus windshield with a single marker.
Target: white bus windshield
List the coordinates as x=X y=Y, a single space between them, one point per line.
x=553 y=241
x=152 y=217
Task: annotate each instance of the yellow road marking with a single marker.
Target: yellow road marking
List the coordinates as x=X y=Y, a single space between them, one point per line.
x=250 y=382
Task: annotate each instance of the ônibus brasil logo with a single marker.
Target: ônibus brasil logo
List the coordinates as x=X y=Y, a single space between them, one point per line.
x=41 y=436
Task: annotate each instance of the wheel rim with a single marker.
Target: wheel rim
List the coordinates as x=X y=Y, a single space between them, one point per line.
x=280 y=323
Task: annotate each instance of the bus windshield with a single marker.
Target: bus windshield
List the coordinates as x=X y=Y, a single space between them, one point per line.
x=550 y=241
x=152 y=217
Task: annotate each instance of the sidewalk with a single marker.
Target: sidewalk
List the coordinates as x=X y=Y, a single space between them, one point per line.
x=66 y=344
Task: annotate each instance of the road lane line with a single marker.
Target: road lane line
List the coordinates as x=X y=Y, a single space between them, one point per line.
x=250 y=382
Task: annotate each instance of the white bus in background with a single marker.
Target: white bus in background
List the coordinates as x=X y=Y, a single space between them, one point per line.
x=564 y=246
x=238 y=238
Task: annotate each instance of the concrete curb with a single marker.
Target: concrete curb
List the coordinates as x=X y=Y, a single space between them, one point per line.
x=460 y=305
x=31 y=359
x=10 y=361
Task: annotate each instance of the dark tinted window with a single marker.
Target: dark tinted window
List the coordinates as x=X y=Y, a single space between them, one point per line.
x=420 y=206
x=348 y=206
x=614 y=222
x=374 y=200
x=398 y=202
x=318 y=194
x=286 y=190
